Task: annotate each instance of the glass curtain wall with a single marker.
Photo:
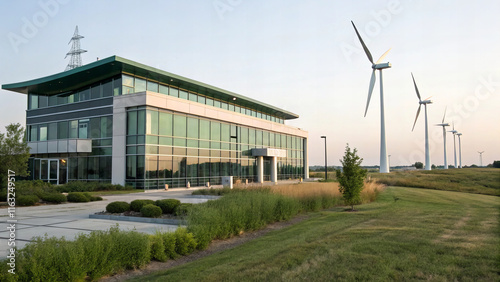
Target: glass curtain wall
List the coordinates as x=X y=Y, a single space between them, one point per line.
x=164 y=147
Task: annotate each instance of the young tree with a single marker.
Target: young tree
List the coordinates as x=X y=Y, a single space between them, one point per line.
x=419 y=165
x=14 y=152
x=351 y=178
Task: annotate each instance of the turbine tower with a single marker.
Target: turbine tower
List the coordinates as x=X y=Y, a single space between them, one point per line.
x=454 y=143
x=444 y=125
x=384 y=166
x=75 y=52
x=460 y=149
x=424 y=102
x=481 y=158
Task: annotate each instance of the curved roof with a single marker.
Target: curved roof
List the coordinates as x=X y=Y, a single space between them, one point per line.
x=106 y=68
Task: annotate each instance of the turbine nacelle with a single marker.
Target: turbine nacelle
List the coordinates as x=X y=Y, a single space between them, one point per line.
x=453 y=131
x=443 y=124
x=424 y=102
x=381 y=66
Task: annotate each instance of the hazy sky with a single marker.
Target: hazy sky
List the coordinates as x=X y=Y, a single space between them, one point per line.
x=302 y=56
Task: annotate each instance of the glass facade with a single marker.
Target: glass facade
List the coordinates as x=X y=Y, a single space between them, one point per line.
x=128 y=84
x=165 y=147
x=94 y=166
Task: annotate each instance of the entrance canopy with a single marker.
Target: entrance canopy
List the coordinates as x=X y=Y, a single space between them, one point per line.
x=268 y=152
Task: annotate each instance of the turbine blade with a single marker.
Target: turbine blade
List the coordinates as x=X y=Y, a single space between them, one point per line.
x=383 y=56
x=444 y=114
x=370 y=90
x=416 y=89
x=418 y=112
x=368 y=54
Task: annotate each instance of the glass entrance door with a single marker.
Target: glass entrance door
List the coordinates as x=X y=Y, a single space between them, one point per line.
x=53 y=171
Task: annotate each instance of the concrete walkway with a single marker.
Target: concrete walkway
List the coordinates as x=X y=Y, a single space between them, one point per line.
x=70 y=219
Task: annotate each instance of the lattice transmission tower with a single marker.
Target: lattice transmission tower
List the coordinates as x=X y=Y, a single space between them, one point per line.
x=75 y=52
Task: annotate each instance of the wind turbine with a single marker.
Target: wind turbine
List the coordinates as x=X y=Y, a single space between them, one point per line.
x=481 y=158
x=460 y=149
x=424 y=102
x=384 y=166
x=444 y=125
x=454 y=143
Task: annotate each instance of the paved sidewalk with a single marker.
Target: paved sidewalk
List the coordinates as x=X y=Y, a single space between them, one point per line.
x=70 y=219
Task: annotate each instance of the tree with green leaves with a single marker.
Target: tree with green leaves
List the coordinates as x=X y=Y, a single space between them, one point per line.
x=14 y=152
x=351 y=177
x=419 y=165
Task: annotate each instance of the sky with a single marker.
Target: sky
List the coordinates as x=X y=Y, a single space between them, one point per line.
x=301 y=56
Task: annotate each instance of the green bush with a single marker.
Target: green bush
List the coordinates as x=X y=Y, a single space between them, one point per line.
x=136 y=205
x=238 y=211
x=78 y=197
x=94 y=255
x=3 y=195
x=26 y=200
x=150 y=210
x=184 y=242
x=157 y=247
x=80 y=186
x=168 y=205
x=56 y=198
x=182 y=209
x=118 y=207
x=213 y=192
x=95 y=198
x=169 y=244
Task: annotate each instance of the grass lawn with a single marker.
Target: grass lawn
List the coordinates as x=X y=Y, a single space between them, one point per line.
x=472 y=180
x=424 y=234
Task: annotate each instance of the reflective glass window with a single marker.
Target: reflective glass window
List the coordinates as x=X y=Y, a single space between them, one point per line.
x=141 y=122
x=210 y=101
x=164 y=167
x=95 y=92
x=163 y=89
x=173 y=92
x=152 y=86
x=43 y=101
x=132 y=123
x=152 y=122
x=201 y=99
x=42 y=132
x=204 y=129
x=215 y=131
x=179 y=126
x=53 y=100
x=183 y=94
x=84 y=95
x=251 y=136
x=106 y=127
x=131 y=164
x=165 y=124
x=73 y=129
x=225 y=131
x=192 y=127
x=258 y=135
x=140 y=84
x=95 y=128
x=193 y=97
x=33 y=102
x=33 y=133
x=224 y=105
x=107 y=88
x=217 y=104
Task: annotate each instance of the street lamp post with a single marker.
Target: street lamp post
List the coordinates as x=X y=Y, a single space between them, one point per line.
x=326 y=162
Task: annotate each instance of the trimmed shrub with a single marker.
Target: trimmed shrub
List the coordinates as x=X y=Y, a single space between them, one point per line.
x=136 y=205
x=168 y=205
x=55 y=198
x=95 y=198
x=118 y=207
x=183 y=209
x=184 y=242
x=78 y=197
x=80 y=186
x=151 y=210
x=26 y=200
